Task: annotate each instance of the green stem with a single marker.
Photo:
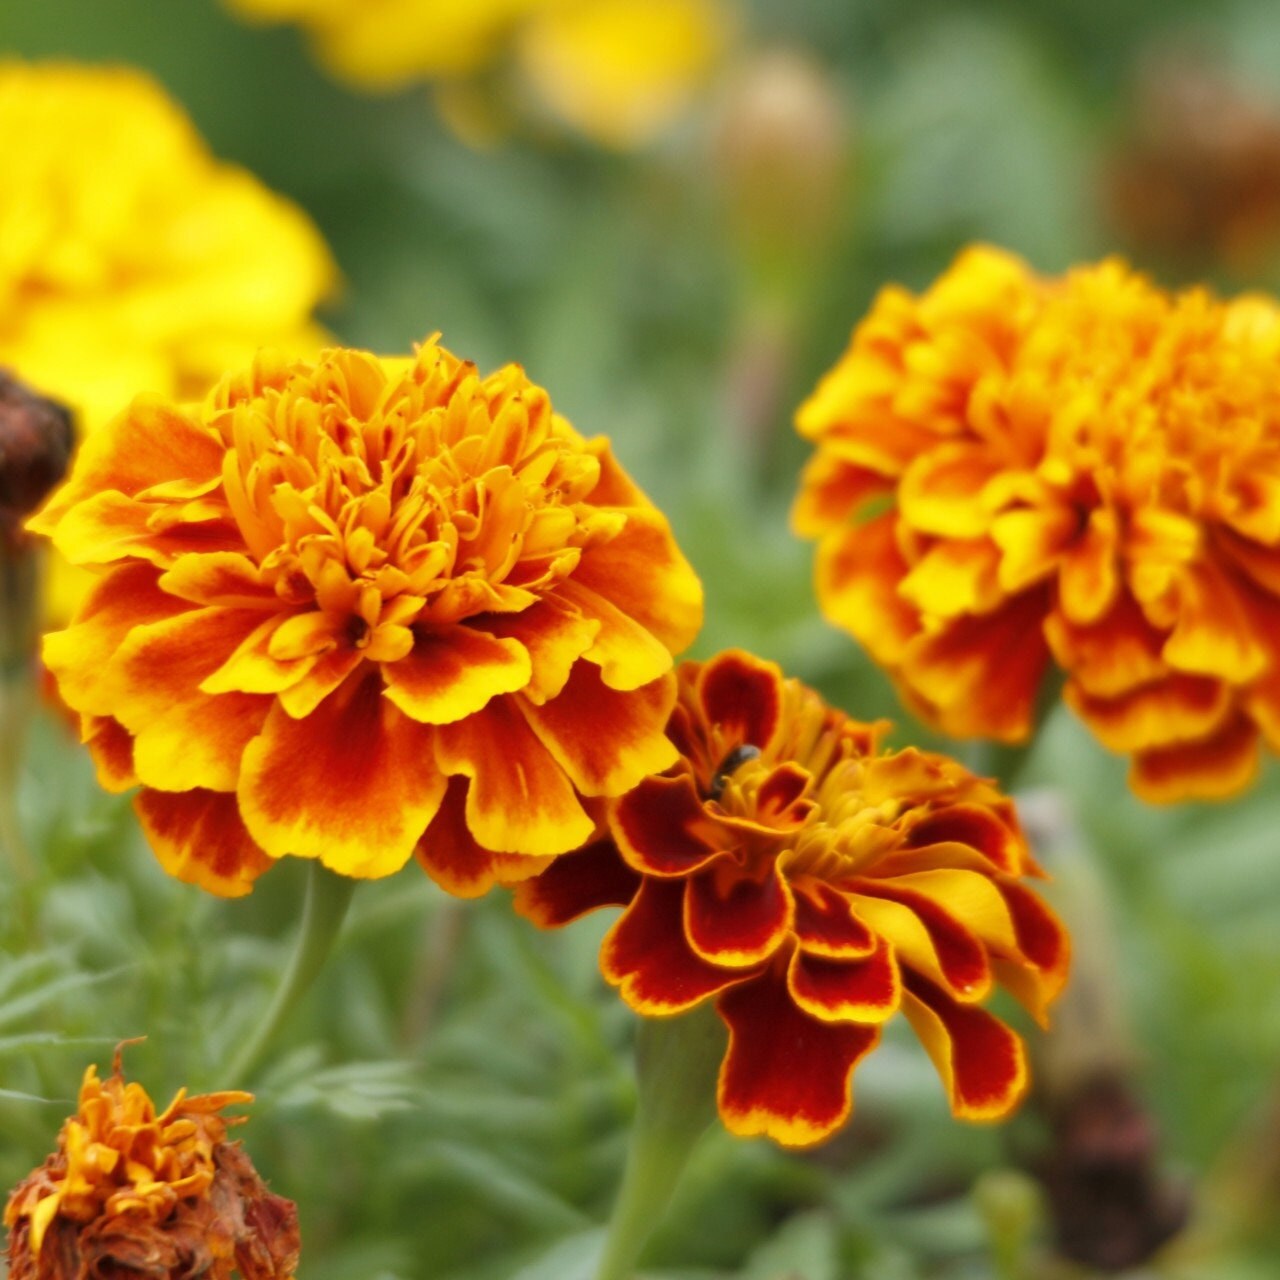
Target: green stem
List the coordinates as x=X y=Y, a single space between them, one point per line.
x=328 y=897
x=676 y=1064
x=19 y=598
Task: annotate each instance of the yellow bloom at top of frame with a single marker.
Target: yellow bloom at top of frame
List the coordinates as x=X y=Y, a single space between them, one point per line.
x=1014 y=472
x=617 y=70
x=130 y=258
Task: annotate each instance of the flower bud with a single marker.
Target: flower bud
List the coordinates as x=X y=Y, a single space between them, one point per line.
x=35 y=447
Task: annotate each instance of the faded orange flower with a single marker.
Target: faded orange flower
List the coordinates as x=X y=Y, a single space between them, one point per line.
x=814 y=885
x=1013 y=472
x=363 y=607
x=140 y=1192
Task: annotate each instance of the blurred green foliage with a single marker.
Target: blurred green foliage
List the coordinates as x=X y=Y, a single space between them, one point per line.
x=452 y=1100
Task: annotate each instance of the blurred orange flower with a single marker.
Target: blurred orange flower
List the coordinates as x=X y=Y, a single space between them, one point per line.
x=346 y=601
x=130 y=258
x=814 y=884
x=133 y=1191
x=1013 y=472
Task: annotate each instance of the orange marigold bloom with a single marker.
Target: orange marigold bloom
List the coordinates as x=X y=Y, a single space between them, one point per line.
x=1013 y=471
x=341 y=603
x=132 y=1191
x=815 y=884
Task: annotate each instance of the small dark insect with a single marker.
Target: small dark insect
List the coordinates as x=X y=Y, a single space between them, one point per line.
x=729 y=765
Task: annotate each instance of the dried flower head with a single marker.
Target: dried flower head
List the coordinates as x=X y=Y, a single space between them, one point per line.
x=1012 y=471
x=135 y=1192
x=815 y=885
x=346 y=603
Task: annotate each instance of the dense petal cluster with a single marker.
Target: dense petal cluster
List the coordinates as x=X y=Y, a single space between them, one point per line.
x=1015 y=472
x=355 y=608
x=814 y=884
x=140 y=1192
x=619 y=71
x=130 y=258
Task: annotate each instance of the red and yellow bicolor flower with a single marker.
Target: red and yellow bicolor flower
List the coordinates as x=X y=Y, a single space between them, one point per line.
x=361 y=609
x=814 y=884
x=1013 y=473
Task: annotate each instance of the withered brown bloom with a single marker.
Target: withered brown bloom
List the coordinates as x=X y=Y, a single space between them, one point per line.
x=132 y=1192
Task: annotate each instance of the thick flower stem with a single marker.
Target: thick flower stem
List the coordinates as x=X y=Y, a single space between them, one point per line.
x=18 y=606
x=676 y=1064
x=328 y=897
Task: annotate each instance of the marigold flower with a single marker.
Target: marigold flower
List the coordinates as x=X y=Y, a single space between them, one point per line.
x=617 y=70
x=132 y=259
x=814 y=884
x=132 y=1191
x=346 y=601
x=1012 y=471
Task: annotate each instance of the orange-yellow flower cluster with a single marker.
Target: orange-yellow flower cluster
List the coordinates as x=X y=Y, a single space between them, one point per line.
x=130 y=259
x=1014 y=472
x=135 y=1192
x=619 y=71
x=814 y=885
x=358 y=608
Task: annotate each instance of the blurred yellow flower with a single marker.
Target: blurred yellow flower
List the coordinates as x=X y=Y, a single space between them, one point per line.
x=130 y=258
x=619 y=71
x=1014 y=471
x=136 y=1191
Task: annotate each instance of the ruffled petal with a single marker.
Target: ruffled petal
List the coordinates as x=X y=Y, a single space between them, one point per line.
x=199 y=838
x=1211 y=769
x=647 y=957
x=826 y=925
x=786 y=1075
x=628 y=654
x=519 y=800
x=973 y=825
x=604 y=740
x=742 y=697
x=453 y=672
x=554 y=633
x=576 y=883
x=662 y=830
x=733 y=919
x=868 y=990
x=351 y=784
x=981 y=1062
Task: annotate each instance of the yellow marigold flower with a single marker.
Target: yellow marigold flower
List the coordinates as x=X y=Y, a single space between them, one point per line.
x=1013 y=471
x=133 y=1191
x=617 y=70
x=346 y=603
x=131 y=259
x=815 y=885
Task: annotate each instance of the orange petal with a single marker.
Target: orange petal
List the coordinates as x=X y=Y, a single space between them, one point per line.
x=1032 y=541
x=555 y=634
x=981 y=1062
x=1213 y=768
x=627 y=653
x=352 y=784
x=1176 y=709
x=642 y=573
x=124 y=598
x=974 y=825
x=111 y=747
x=941 y=491
x=1213 y=635
x=1119 y=653
x=786 y=1075
x=606 y=741
x=453 y=672
x=955 y=577
x=735 y=920
x=198 y=837
x=520 y=800
x=833 y=493
x=647 y=957
x=224 y=578
x=742 y=697
x=1089 y=578
x=662 y=830
x=826 y=925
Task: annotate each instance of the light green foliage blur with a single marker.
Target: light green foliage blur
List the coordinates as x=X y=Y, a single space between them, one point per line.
x=452 y=1100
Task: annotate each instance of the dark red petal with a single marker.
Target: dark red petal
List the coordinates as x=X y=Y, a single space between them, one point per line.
x=786 y=1075
x=735 y=919
x=741 y=696
x=661 y=828
x=975 y=826
x=576 y=883
x=647 y=956
x=961 y=957
x=826 y=925
x=981 y=1062
x=780 y=799
x=866 y=990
